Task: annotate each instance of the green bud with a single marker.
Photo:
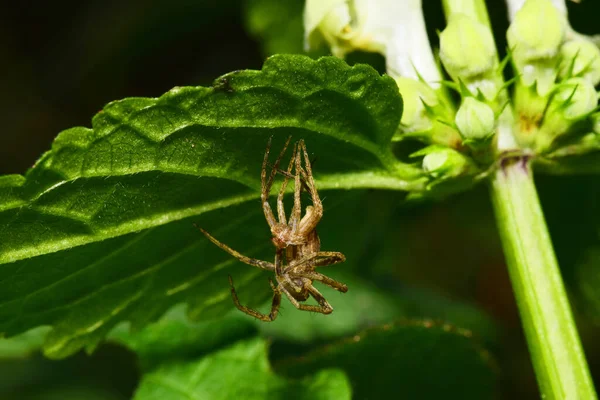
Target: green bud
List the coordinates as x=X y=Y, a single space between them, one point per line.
x=468 y=53
x=415 y=95
x=475 y=121
x=534 y=37
x=580 y=58
x=443 y=162
x=426 y=116
x=575 y=98
x=466 y=48
x=537 y=30
x=572 y=101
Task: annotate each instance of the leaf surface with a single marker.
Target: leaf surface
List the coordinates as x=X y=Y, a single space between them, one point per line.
x=100 y=229
x=175 y=337
x=365 y=305
x=240 y=371
x=412 y=360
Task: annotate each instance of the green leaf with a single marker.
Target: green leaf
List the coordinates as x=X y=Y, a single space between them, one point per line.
x=241 y=371
x=366 y=305
x=24 y=344
x=174 y=336
x=410 y=360
x=363 y=306
x=100 y=229
x=131 y=171
x=278 y=24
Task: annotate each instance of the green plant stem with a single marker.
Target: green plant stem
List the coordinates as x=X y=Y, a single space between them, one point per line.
x=554 y=344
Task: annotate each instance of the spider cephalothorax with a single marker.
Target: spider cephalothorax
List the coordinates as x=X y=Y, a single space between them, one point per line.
x=297 y=245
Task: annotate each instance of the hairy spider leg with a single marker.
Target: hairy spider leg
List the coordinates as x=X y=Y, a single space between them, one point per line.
x=318 y=259
x=315 y=276
x=324 y=307
x=267 y=184
x=329 y=258
x=278 y=260
x=310 y=220
x=256 y=314
x=247 y=260
x=286 y=178
x=291 y=176
x=295 y=215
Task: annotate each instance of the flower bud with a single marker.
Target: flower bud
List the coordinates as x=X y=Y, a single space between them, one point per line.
x=415 y=95
x=534 y=37
x=537 y=30
x=468 y=53
x=475 y=121
x=466 y=47
x=580 y=58
x=575 y=98
x=443 y=162
x=426 y=116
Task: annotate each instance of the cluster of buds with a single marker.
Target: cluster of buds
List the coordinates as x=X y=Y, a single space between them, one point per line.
x=555 y=96
x=554 y=99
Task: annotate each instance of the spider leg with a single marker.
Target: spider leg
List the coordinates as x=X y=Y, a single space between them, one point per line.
x=324 y=307
x=279 y=271
x=278 y=258
x=310 y=220
x=290 y=283
x=296 y=214
x=287 y=175
x=319 y=259
x=319 y=298
x=247 y=260
x=292 y=176
x=266 y=184
x=325 y=258
x=263 y=317
x=312 y=275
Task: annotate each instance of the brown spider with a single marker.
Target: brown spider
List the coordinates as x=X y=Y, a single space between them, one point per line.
x=296 y=241
x=298 y=230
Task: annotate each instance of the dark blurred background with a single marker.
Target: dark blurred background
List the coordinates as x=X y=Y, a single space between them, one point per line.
x=62 y=61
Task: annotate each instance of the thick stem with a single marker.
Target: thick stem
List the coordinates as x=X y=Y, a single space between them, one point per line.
x=554 y=344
